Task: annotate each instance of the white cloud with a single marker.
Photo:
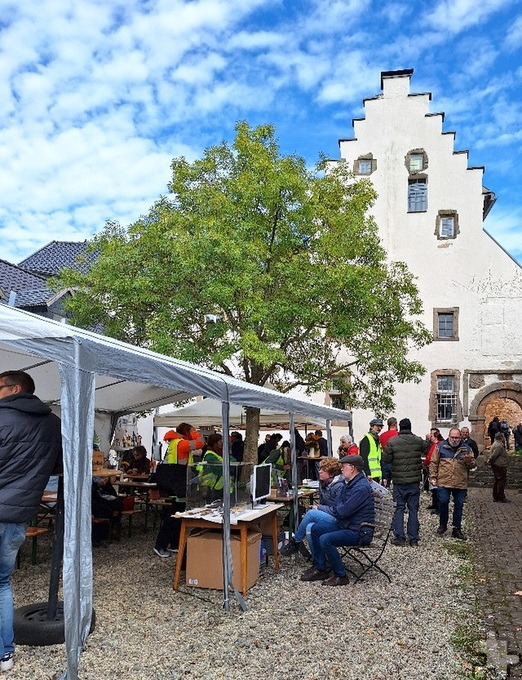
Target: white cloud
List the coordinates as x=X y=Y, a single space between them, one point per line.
x=505 y=225
x=99 y=95
x=457 y=15
x=514 y=35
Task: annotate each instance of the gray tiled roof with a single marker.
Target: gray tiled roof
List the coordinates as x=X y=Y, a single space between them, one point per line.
x=57 y=255
x=15 y=278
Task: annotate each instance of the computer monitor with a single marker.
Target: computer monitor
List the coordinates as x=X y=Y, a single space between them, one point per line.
x=260 y=484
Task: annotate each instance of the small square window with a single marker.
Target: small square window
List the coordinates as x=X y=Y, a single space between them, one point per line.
x=445 y=324
x=365 y=166
x=416 y=162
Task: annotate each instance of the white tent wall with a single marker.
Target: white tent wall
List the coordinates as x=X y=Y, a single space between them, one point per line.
x=136 y=377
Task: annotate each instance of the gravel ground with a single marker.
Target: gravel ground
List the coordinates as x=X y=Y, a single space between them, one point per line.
x=369 y=631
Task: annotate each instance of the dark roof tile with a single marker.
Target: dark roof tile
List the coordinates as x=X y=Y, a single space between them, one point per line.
x=57 y=255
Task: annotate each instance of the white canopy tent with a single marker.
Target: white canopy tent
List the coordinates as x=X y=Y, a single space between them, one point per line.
x=207 y=413
x=79 y=372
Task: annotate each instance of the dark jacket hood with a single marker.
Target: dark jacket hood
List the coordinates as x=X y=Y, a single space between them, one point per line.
x=26 y=403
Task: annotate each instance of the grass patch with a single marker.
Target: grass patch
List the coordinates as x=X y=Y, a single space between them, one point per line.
x=469 y=641
x=468 y=638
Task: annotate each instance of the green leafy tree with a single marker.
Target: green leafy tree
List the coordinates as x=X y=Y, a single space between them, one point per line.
x=260 y=268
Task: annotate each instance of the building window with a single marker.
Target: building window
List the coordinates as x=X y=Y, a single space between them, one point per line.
x=365 y=165
x=447 y=227
x=418 y=195
x=338 y=401
x=445 y=405
x=416 y=161
x=446 y=323
x=446 y=399
x=447 y=224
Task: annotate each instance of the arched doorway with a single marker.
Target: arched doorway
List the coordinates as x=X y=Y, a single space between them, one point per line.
x=499 y=399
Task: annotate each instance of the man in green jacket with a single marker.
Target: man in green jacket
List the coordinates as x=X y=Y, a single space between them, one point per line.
x=404 y=453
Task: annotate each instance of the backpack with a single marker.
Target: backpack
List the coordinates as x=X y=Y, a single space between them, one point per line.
x=171 y=479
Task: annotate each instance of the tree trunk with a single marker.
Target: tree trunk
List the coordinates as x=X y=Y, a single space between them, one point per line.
x=252 y=435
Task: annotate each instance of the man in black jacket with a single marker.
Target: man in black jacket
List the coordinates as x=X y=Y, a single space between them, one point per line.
x=404 y=453
x=30 y=451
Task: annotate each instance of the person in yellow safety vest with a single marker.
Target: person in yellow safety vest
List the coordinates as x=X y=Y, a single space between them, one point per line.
x=370 y=450
x=281 y=463
x=182 y=444
x=210 y=470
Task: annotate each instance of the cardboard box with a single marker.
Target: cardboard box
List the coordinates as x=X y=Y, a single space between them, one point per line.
x=205 y=560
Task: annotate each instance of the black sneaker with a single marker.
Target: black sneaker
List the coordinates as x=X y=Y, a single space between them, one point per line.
x=314 y=574
x=398 y=541
x=457 y=533
x=290 y=548
x=414 y=543
x=442 y=530
x=304 y=551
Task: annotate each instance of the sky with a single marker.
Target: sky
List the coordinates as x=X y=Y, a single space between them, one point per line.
x=98 y=96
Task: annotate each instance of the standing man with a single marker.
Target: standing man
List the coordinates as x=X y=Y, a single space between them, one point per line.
x=493 y=428
x=404 y=454
x=323 y=444
x=466 y=439
x=384 y=438
x=499 y=461
x=30 y=451
x=183 y=445
x=370 y=450
x=449 y=467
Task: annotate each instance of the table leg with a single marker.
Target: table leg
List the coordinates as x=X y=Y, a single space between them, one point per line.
x=244 y=547
x=181 y=553
x=275 y=540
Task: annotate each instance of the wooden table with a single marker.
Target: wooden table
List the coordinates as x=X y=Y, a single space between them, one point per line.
x=189 y=522
x=310 y=459
x=302 y=494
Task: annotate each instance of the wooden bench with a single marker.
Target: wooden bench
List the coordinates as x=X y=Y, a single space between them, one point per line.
x=125 y=513
x=367 y=556
x=33 y=533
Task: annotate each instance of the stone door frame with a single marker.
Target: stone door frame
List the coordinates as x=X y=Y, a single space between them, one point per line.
x=477 y=410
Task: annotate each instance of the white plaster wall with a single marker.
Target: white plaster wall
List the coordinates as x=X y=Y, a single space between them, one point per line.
x=470 y=272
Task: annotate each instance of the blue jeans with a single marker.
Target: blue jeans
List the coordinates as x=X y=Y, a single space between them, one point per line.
x=406 y=495
x=11 y=538
x=311 y=517
x=458 y=503
x=325 y=541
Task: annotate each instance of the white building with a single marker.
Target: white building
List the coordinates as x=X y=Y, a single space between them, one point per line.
x=430 y=211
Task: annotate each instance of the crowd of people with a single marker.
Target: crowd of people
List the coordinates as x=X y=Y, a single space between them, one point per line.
x=407 y=463
x=31 y=450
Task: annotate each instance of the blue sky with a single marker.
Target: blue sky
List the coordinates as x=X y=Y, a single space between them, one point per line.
x=98 y=96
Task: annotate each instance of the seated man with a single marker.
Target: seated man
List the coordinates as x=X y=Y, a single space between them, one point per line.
x=331 y=486
x=139 y=463
x=342 y=525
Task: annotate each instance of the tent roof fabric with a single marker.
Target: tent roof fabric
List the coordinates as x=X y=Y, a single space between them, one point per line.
x=207 y=413
x=53 y=341
x=82 y=371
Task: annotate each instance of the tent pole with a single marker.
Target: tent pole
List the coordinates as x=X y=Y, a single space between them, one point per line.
x=329 y=436
x=293 y=454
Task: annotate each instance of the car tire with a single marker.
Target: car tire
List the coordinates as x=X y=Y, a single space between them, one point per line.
x=32 y=627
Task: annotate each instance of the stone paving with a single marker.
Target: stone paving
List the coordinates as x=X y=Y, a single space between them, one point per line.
x=495 y=531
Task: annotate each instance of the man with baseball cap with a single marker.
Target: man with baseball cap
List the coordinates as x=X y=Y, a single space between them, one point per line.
x=342 y=525
x=371 y=450
x=404 y=454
